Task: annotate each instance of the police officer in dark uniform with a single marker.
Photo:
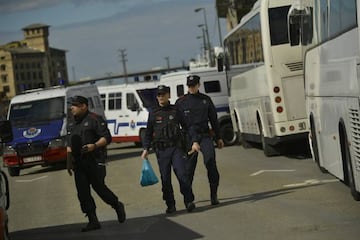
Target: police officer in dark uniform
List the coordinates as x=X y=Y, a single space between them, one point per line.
x=199 y=110
x=163 y=134
x=88 y=136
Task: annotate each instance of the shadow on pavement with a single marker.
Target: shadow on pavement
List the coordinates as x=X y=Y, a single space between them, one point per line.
x=153 y=227
x=150 y=228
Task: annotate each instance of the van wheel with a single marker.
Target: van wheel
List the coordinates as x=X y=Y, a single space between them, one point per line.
x=142 y=136
x=14 y=171
x=348 y=170
x=227 y=134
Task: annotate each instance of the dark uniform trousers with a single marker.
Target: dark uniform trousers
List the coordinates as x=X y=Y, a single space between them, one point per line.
x=91 y=173
x=208 y=150
x=173 y=156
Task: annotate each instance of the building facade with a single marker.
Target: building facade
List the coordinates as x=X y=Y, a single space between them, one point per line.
x=30 y=63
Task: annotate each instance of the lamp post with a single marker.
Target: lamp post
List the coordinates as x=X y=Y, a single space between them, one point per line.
x=207 y=35
x=204 y=41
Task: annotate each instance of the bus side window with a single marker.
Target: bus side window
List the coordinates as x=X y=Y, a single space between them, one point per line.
x=300 y=26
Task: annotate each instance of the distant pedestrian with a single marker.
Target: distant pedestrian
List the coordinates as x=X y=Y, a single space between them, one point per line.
x=88 y=136
x=163 y=134
x=199 y=110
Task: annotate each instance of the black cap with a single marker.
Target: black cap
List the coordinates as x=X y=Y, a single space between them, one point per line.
x=162 y=89
x=76 y=100
x=192 y=80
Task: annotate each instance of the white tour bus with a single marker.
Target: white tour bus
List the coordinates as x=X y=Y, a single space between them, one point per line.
x=332 y=78
x=127 y=108
x=267 y=102
x=39 y=120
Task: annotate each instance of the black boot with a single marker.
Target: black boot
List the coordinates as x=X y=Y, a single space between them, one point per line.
x=213 y=194
x=120 y=211
x=93 y=223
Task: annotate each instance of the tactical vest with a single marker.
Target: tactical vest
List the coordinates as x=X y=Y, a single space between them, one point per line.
x=166 y=126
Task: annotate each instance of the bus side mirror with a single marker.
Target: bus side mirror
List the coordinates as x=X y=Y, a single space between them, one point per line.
x=6 y=134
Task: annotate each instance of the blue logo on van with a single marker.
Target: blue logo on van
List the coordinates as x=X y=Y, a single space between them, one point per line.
x=31 y=132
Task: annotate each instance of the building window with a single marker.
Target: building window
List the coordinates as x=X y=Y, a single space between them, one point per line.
x=6 y=89
x=3 y=67
x=4 y=78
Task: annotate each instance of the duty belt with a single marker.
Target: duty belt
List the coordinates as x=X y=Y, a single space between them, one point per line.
x=163 y=145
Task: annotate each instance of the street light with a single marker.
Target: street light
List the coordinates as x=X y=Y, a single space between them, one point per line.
x=207 y=34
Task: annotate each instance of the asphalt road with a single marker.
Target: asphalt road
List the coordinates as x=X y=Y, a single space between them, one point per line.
x=284 y=197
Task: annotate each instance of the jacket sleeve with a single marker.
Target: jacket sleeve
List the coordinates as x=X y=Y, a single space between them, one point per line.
x=102 y=129
x=213 y=119
x=149 y=132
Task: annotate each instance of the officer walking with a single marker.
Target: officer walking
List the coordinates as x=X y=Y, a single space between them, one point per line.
x=199 y=110
x=163 y=130
x=88 y=136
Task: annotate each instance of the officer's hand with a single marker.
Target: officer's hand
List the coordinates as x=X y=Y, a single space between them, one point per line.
x=194 y=148
x=144 y=154
x=220 y=143
x=69 y=166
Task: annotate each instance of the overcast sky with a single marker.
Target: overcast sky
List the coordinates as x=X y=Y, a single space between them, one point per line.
x=93 y=31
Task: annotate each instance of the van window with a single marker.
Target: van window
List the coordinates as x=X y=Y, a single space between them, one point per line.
x=90 y=103
x=103 y=99
x=131 y=102
x=114 y=101
x=148 y=97
x=212 y=86
x=180 y=90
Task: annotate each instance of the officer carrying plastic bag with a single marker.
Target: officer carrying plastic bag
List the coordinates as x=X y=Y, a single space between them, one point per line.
x=148 y=176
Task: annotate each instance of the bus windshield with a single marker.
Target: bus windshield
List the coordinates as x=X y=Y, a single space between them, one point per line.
x=37 y=111
x=279 y=25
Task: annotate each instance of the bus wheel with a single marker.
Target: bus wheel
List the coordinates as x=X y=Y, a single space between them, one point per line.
x=349 y=175
x=227 y=134
x=14 y=171
x=315 y=147
x=268 y=149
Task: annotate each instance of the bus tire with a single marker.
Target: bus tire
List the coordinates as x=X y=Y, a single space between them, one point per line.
x=348 y=170
x=14 y=171
x=227 y=134
x=314 y=146
x=268 y=149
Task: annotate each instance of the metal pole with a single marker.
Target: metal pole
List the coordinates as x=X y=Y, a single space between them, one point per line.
x=123 y=60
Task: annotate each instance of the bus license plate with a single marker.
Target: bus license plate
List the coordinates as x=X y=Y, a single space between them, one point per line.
x=32 y=159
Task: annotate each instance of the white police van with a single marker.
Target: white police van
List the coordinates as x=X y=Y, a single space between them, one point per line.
x=214 y=84
x=39 y=120
x=127 y=108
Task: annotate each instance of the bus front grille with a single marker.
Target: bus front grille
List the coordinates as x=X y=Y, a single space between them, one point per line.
x=354 y=118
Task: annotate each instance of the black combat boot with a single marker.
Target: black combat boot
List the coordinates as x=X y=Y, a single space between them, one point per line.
x=190 y=206
x=93 y=223
x=120 y=211
x=170 y=209
x=213 y=194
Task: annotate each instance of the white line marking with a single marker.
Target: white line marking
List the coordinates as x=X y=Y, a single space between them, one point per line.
x=311 y=182
x=31 y=180
x=278 y=170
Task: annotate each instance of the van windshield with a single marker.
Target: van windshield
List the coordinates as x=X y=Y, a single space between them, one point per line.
x=148 y=97
x=37 y=111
